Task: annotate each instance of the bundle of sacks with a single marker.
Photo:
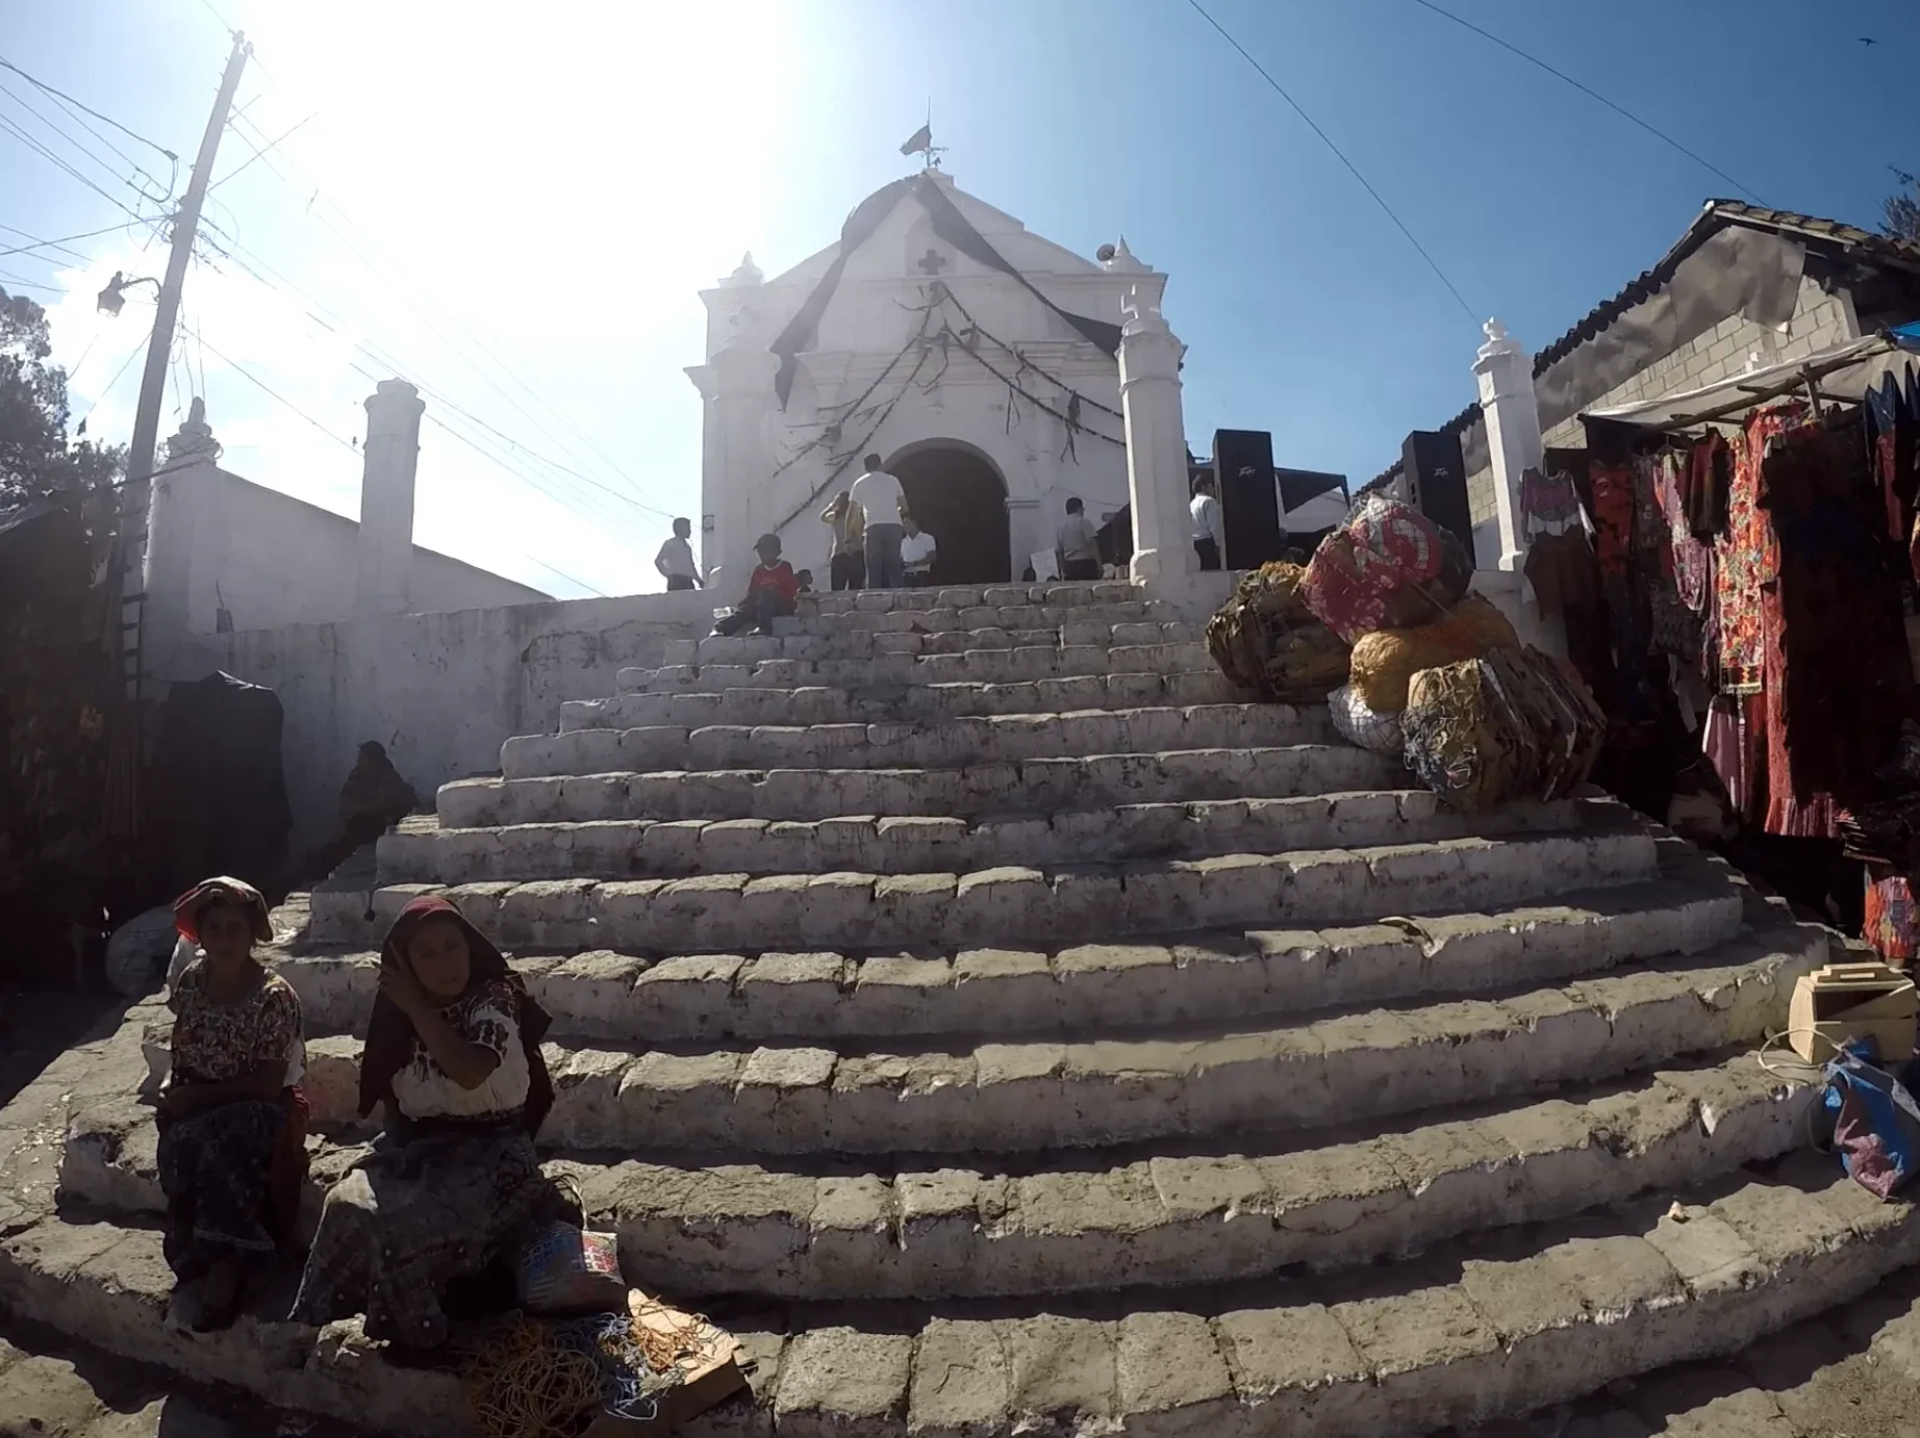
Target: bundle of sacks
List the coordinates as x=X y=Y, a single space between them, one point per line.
x=1264 y=638
x=1438 y=676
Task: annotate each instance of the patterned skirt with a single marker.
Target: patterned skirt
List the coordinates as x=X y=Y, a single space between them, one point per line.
x=215 y=1169
x=411 y=1218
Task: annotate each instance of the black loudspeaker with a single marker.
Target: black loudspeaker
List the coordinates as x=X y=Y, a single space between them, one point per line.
x=1249 y=502
x=1437 y=481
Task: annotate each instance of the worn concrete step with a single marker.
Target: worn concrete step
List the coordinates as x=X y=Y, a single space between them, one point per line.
x=1176 y=978
x=831 y=639
x=732 y=911
x=1057 y=594
x=1527 y=1318
x=421 y=850
x=1026 y=665
x=1025 y=786
x=974 y=1227
x=1251 y=1077
x=814 y=703
x=622 y=744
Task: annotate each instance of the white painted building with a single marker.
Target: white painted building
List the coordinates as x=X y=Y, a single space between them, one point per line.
x=977 y=383
x=225 y=554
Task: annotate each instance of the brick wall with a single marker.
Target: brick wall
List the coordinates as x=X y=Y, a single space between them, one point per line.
x=1820 y=320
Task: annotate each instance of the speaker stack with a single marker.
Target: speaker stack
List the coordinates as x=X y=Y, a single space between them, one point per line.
x=1437 y=481
x=1249 y=502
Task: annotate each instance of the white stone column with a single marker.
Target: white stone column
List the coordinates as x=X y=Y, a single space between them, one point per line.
x=1504 y=371
x=182 y=486
x=741 y=377
x=392 y=459
x=1156 y=442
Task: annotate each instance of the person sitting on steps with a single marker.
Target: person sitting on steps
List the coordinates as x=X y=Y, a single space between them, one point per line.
x=771 y=592
x=232 y=1121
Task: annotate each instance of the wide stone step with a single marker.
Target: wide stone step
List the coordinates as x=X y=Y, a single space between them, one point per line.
x=1177 y=978
x=1529 y=1318
x=905 y=912
x=1026 y=786
x=1057 y=594
x=422 y=851
x=974 y=1227
x=621 y=744
x=1046 y=1094
x=832 y=639
x=1027 y=665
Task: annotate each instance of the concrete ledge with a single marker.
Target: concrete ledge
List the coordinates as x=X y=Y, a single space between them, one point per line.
x=422 y=851
x=1040 y=1094
x=732 y=911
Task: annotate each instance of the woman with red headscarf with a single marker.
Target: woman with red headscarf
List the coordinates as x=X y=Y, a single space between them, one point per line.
x=453 y=1052
x=232 y=1119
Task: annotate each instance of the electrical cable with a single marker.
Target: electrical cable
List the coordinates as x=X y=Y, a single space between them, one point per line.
x=1591 y=94
x=100 y=398
x=59 y=244
x=27 y=284
x=104 y=119
x=1340 y=155
x=259 y=154
x=54 y=125
x=261 y=384
x=12 y=128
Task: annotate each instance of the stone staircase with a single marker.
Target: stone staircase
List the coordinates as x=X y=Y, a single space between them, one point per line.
x=972 y=1002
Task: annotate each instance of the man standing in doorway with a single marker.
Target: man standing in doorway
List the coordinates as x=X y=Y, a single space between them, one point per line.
x=916 y=554
x=1076 y=545
x=881 y=501
x=675 y=559
x=1206 y=524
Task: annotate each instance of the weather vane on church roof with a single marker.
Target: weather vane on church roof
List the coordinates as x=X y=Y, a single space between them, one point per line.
x=921 y=142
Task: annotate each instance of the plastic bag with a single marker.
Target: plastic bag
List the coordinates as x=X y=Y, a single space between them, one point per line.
x=1363 y=726
x=137 y=951
x=570 y=1270
x=1387 y=567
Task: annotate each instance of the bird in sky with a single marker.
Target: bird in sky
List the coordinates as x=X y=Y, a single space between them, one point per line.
x=1868 y=40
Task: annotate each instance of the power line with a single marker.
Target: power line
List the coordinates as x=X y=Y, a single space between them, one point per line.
x=60 y=244
x=40 y=147
x=258 y=154
x=576 y=583
x=253 y=379
x=26 y=283
x=1339 y=155
x=104 y=119
x=101 y=398
x=1591 y=94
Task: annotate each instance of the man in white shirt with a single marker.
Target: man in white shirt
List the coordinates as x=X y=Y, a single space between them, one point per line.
x=882 y=501
x=675 y=559
x=1206 y=524
x=916 y=554
x=1076 y=545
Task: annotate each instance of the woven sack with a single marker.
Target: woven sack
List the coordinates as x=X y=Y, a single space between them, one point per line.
x=1362 y=726
x=1265 y=640
x=1387 y=567
x=1505 y=726
x=1385 y=660
x=568 y=1270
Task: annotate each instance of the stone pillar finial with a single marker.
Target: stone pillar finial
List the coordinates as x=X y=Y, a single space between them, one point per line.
x=391 y=461
x=1123 y=261
x=186 y=531
x=747 y=274
x=1156 y=440
x=1511 y=412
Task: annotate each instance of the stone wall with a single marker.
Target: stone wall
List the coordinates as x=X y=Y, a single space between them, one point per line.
x=1820 y=321
x=441 y=691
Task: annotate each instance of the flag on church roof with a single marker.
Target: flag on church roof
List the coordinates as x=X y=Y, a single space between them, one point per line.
x=921 y=143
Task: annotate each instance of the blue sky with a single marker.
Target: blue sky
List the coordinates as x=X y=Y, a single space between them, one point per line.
x=541 y=190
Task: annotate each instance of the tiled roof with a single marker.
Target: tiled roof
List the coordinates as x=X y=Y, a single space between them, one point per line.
x=1713 y=217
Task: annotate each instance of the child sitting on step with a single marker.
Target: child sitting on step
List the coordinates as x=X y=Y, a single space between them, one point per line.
x=771 y=592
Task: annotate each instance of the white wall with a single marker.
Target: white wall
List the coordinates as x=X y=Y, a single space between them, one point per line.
x=276 y=560
x=442 y=691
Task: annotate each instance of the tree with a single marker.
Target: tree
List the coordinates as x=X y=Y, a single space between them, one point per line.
x=1901 y=213
x=37 y=459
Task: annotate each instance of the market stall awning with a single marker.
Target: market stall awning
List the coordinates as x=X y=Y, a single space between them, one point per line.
x=1843 y=373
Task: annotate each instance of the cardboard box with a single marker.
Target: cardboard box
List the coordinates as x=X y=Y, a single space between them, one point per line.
x=709 y=1361
x=1853 y=1001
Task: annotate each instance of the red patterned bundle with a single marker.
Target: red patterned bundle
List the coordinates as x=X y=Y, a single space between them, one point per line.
x=1387 y=567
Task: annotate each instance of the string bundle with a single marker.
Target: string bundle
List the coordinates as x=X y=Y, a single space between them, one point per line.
x=539 y=1379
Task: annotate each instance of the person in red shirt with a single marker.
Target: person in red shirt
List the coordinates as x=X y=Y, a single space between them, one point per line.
x=771 y=591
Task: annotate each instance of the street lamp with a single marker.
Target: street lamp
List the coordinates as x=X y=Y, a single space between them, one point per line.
x=114 y=296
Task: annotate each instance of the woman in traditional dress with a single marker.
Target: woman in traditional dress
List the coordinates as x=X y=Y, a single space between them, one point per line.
x=232 y=1120
x=453 y=1052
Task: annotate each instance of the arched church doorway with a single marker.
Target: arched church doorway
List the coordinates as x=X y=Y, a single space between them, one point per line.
x=960 y=499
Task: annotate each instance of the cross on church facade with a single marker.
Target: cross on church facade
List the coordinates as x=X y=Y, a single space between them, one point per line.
x=932 y=262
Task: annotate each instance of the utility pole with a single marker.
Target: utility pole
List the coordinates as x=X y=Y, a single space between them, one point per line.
x=186 y=227
x=124 y=741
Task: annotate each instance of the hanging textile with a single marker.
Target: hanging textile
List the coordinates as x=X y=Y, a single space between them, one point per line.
x=1838 y=677
x=1892 y=921
x=1744 y=554
x=1709 y=477
x=1730 y=740
x=1673 y=625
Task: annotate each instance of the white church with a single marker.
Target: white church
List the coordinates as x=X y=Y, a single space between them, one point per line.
x=977 y=359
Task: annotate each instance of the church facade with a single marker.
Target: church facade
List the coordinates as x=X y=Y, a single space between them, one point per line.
x=977 y=359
